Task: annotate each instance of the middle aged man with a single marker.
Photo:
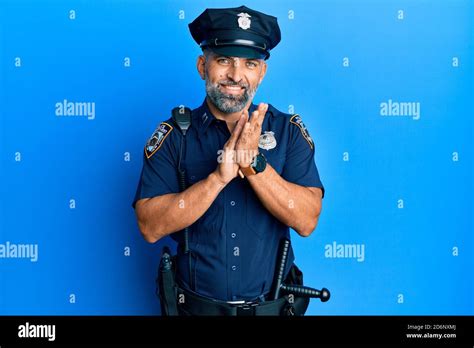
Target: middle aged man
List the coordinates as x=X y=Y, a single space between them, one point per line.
x=236 y=222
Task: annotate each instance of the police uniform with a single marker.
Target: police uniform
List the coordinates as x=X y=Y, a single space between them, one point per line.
x=235 y=243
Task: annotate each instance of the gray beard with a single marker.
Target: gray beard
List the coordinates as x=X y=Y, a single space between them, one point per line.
x=228 y=103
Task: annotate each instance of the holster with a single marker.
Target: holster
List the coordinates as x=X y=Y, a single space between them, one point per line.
x=295 y=305
x=166 y=285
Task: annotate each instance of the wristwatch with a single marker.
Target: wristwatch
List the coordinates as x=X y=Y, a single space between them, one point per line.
x=258 y=165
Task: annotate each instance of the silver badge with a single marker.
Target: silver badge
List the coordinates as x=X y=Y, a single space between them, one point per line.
x=244 y=20
x=267 y=140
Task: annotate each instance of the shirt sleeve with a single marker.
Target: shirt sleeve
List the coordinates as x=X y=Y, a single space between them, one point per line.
x=300 y=167
x=159 y=173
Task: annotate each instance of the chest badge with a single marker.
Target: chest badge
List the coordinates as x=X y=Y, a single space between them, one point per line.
x=267 y=140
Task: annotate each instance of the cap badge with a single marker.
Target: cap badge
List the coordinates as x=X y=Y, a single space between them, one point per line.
x=244 y=20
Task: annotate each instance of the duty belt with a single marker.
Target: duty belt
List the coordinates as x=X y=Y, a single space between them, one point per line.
x=194 y=304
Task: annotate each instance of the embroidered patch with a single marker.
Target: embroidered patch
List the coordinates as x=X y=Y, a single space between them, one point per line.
x=157 y=138
x=267 y=140
x=296 y=119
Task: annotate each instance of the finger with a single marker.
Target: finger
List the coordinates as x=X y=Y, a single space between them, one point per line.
x=262 y=110
x=244 y=134
x=255 y=114
x=237 y=130
x=247 y=127
x=254 y=118
x=246 y=113
x=258 y=115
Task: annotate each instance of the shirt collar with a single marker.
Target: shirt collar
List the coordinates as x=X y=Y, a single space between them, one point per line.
x=205 y=116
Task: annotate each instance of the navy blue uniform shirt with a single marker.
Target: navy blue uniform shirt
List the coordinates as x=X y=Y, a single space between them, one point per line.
x=235 y=243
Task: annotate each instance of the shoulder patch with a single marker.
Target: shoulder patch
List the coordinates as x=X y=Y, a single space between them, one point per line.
x=297 y=120
x=157 y=138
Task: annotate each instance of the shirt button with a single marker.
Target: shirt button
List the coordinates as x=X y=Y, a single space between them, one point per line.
x=233 y=235
x=232 y=203
x=234 y=268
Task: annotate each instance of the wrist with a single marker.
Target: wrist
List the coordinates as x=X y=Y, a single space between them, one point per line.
x=245 y=158
x=258 y=165
x=216 y=178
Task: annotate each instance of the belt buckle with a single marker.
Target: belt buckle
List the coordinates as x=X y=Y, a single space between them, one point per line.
x=246 y=308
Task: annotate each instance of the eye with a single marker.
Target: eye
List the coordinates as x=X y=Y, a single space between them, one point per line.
x=223 y=61
x=252 y=64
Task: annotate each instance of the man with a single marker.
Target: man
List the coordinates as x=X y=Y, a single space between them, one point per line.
x=250 y=173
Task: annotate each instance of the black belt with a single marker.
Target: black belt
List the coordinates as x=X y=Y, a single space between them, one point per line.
x=193 y=304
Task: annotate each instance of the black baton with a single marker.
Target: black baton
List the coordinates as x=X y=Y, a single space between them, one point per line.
x=299 y=290
x=280 y=267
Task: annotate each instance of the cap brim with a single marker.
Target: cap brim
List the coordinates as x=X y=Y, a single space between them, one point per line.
x=239 y=51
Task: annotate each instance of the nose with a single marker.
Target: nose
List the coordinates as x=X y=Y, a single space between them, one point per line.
x=235 y=72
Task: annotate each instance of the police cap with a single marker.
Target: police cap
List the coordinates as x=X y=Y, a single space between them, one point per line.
x=236 y=32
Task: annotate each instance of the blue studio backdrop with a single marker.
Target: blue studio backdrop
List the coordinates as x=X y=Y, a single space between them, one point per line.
x=385 y=88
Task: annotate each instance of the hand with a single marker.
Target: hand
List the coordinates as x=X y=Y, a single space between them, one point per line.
x=247 y=144
x=228 y=168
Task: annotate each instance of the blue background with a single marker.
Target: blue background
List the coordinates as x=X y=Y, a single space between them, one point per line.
x=408 y=251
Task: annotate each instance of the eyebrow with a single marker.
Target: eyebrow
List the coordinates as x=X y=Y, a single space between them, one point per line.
x=247 y=59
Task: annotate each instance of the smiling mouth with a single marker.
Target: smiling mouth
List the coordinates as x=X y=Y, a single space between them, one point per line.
x=231 y=89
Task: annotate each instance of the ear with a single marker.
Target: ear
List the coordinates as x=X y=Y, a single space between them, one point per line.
x=201 y=66
x=263 y=72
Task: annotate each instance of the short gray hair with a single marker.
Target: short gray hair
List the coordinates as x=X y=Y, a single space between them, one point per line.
x=206 y=51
